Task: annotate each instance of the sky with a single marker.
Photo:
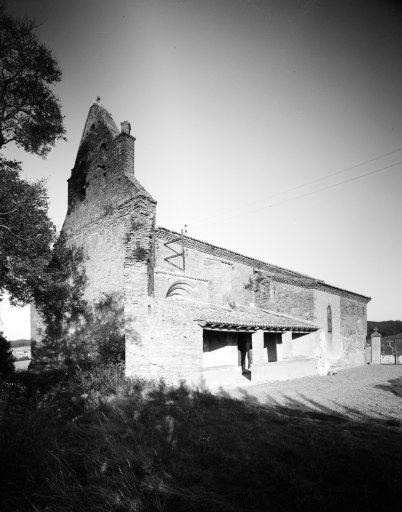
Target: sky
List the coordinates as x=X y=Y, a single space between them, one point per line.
x=271 y=128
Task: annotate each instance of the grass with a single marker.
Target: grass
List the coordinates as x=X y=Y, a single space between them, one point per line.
x=92 y=440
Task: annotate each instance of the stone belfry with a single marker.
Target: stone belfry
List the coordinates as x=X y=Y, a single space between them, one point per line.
x=102 y=150
x=110 y=219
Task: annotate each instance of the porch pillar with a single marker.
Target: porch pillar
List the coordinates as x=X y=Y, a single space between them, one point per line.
x=259 y=353
x=287 y=344
x=279 y=347
x=376 y=347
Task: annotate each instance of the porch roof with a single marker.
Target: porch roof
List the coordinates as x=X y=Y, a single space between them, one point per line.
x=251 y=318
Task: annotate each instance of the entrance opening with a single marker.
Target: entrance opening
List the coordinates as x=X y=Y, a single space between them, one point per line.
x=219 y=348
x=270 y=342
x=243 y=338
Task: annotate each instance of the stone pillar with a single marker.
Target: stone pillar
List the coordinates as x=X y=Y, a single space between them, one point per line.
x=259 y=353
x=375 y=347
x=287 y=344
x=279 y=347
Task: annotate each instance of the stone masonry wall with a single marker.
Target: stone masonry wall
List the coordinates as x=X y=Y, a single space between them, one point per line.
x=216 y=279
x=292 y=300
x=224 y=281
x=334 y=344
x=106 y=212
x=138 y=285
x=100 y=221
x=353 y=327
x=162 y=339
x=176 y=340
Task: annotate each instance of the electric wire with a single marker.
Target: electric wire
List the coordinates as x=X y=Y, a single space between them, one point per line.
x=298 y=187
x=355 y=178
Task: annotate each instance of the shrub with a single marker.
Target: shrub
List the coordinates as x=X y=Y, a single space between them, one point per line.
x=111 y=349
x=6 y=357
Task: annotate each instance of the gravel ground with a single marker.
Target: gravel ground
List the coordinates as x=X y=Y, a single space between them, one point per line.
x=373 y=391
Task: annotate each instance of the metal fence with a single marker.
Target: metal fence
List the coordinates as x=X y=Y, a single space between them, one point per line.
x=391 y=351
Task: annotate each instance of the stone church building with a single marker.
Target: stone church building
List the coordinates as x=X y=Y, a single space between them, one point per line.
x=184 y=303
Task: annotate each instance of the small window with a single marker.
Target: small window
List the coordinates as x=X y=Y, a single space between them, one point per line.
x=329 y=319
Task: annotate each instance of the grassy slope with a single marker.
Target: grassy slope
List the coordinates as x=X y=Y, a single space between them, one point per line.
x=93 y=441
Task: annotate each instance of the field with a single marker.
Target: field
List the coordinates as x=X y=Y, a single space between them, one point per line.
x=22 y=354
x=90 y=440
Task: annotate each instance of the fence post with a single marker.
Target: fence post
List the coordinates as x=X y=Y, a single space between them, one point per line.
x=375 y=347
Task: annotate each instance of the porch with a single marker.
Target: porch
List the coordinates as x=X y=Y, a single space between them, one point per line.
x=270 y=336
x=216 y=376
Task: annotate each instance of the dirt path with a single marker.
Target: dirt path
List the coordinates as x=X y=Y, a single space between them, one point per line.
x=373 y=390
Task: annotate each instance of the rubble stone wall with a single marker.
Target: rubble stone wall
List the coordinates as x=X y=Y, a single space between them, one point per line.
x=353 y=325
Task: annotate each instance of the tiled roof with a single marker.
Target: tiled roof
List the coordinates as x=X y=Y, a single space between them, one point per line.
x=193 y=243
x=212 y=316
x=253 y=318
x=277 y=273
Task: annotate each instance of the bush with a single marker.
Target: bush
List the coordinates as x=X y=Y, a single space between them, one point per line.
x=92 y=440
x=112 y=349
x=6 y=357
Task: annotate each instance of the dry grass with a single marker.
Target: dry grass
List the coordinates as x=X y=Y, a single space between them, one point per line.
x=91 y=440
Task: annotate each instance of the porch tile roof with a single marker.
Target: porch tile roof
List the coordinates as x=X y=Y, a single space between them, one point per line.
x=250 y=318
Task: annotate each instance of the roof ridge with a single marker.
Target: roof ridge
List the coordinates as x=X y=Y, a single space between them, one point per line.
x=288 y=273
x=291 y=317
x=293 y=272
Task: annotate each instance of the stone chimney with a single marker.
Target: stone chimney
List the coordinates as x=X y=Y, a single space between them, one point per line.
x=125 y=154
x=125 y=127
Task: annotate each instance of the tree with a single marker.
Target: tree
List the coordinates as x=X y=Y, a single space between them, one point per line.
x=26 y=233
x=6 y=357
x=30 y=113
x=30 y=116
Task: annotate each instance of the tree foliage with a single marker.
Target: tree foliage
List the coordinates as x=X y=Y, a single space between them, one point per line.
x=30 y=116
x=30 y=113
x=59 y=296
x=6 y=357
x=26 y=233
x=386 y=327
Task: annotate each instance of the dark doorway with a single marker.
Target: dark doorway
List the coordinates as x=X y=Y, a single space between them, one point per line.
x=270 y=341
x=243 y=338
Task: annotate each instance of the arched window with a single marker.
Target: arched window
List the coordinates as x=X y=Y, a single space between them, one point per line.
x=329 y=319
x=182 y=290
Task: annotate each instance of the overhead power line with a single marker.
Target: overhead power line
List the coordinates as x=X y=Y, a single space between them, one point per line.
x=355 y=178
x=298 y=187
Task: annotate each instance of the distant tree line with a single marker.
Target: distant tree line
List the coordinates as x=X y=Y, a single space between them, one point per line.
x=386 y=327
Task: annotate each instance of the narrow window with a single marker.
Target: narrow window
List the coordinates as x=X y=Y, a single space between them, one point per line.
x=329 y=318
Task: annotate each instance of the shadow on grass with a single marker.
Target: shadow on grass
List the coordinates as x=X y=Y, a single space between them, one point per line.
x=394 y=386
x=95 y=441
